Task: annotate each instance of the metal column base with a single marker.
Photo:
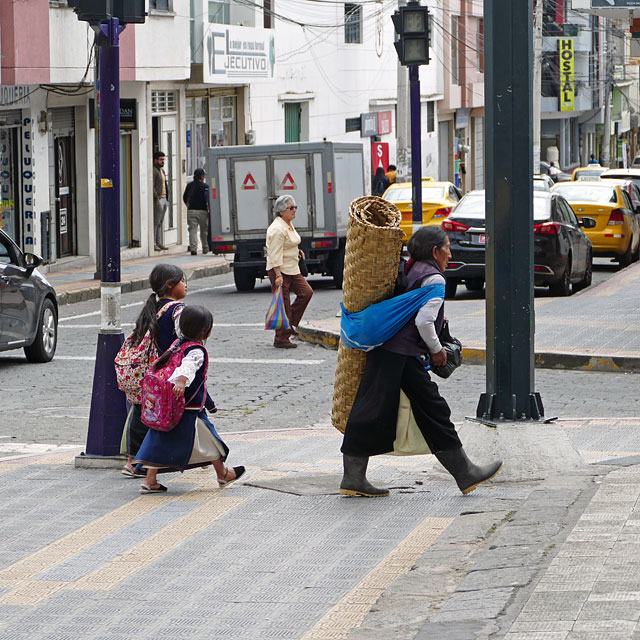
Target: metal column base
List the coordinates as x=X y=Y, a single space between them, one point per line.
x=488 y=409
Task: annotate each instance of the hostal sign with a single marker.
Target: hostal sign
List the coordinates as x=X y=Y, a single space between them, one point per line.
x=238 y=54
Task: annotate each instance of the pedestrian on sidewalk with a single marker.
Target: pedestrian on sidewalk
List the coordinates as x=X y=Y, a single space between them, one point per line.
x=380 y=182
x=401 y=363
x=160 y=198
x=161 y=317
x=283 y=268
x=193 y=442
x=196 y=197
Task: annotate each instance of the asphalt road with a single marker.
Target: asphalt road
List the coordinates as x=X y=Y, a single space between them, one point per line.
x=255 y=386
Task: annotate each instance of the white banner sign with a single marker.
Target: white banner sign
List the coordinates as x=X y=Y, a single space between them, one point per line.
x=238 y=54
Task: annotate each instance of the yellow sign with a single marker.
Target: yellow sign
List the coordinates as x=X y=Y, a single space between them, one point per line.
x=106 y=183
x=567 y=76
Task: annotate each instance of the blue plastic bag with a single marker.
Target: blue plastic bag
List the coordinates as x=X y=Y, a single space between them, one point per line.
x=367 y=329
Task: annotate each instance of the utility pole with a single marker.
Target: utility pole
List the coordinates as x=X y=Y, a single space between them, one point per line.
x=416 y=149
x=509 y=211
x=606 y=126
x=537 y=84
x=403 y=150
x=108 y=404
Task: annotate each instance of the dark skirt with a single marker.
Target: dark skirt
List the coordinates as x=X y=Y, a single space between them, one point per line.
x=135 y=430
x=182 y=447
x=371 y=427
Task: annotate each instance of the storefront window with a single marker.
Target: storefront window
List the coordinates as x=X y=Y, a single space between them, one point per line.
x=9 y=205
x=222 y=120
x=196 y=134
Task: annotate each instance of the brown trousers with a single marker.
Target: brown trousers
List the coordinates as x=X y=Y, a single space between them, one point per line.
x=298 y=285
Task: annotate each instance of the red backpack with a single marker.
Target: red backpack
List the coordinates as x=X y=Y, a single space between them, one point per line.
x=161 y=410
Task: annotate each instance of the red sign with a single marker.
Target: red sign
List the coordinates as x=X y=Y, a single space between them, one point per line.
x=288 y=183
x=384 y=122
x=249 y=182
x=379 y=156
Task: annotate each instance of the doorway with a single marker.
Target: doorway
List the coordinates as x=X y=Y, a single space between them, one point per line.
x=64 y=190
x=165 y=140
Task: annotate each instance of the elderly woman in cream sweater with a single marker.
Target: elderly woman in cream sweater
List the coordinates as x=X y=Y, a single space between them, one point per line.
x=283 y=256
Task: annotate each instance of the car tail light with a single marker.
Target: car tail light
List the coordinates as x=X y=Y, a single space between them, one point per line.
x=454 y=225
x=454 y=265
x=442 y=213
x=616 y=217
x=547 y=228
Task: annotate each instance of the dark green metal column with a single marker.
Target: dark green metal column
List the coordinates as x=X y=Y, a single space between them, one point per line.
x=509 y=206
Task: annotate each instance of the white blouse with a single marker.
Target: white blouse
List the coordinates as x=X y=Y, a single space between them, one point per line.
x=189 y=366
x=426 y=317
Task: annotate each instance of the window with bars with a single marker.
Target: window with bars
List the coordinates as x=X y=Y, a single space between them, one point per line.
x=268 y=14
x=353 y=23
x=455 y=35
x=480 y=45
x=164 y=102
x=431 y=116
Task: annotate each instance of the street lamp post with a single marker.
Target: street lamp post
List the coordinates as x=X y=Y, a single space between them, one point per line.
x=108 y=404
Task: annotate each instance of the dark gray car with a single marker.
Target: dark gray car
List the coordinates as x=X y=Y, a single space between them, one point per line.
x=28 y=305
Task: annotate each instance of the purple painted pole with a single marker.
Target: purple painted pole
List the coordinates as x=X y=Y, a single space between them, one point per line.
x=416 y=148
x=108 y=404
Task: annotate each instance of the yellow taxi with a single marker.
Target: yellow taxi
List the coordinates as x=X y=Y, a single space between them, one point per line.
x=617 y=231
x=588 y=173
x=438 y=201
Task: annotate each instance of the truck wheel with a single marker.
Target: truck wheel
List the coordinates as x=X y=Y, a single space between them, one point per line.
x=245 y=279
x=337 y=267
x=450 y=288
x=474 y=284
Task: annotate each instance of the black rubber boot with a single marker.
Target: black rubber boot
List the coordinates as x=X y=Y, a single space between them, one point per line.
x=354 y=482
x=466 y=474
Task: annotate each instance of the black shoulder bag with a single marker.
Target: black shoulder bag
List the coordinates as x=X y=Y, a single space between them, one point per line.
x=453 y=349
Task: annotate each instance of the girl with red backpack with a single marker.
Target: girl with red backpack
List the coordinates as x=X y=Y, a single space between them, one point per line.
x=193 y=442
x=156 y=329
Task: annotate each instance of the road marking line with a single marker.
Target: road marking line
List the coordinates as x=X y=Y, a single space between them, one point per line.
x=223 y=360
x=27 y=591
x=352 y=609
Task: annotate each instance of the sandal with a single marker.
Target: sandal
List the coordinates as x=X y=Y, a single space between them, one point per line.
x=132 y=472
x=157 y=488
x=223 y=482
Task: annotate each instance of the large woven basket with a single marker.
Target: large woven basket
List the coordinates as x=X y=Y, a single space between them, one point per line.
x=372 y=256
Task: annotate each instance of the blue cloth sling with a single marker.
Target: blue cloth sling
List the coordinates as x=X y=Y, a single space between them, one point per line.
x=367 y=329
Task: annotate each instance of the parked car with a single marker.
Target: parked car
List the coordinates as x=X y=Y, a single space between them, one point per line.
x=438 y=200
x=542 y=182
x=28 y=305
x=588 y=173
x=636 y=162
x=616 y=233
x=560 y=176
x=562 y=252
x=623 y=174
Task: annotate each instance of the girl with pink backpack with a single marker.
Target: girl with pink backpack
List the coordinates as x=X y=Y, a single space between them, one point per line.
x=157 y=327
x=193 y=442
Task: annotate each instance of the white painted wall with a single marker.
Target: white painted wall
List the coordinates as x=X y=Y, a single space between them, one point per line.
x=70 y=43
x=163 y=45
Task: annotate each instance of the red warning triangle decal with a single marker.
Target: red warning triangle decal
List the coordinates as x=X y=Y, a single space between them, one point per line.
x=249 y=182
x=288 y=183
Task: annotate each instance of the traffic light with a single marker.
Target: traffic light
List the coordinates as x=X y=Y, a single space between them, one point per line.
x=127 y=11
x=412 y=29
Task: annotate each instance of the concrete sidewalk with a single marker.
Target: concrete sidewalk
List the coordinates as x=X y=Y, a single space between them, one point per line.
x=597 y=329
x=76 y=284
x=280 y=554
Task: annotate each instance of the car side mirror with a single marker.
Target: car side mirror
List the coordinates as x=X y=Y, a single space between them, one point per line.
x=31 y=261
x=587 y=223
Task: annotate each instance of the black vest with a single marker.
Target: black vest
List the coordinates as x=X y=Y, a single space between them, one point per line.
x=407 y=341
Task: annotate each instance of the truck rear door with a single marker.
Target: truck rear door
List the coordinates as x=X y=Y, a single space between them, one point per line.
x=252 y=204
x=291 y=177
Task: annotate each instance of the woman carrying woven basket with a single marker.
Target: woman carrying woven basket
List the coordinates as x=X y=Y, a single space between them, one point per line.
x=400 y=364
x=283 y=259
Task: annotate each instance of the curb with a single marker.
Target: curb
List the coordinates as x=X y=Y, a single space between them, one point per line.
x=136 y=284
x=543 y=359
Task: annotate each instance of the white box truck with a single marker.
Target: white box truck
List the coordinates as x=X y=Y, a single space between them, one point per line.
x=322 y=177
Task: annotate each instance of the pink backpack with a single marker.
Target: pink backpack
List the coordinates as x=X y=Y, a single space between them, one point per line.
x=133 y=361
x=161 y=410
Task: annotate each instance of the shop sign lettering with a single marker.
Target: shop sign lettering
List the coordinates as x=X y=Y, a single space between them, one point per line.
x=567 y=77
x=28 y=175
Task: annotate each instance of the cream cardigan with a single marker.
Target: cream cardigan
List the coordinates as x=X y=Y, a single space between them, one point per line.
x=282 y=247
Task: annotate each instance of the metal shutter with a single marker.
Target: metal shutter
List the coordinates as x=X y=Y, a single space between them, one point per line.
x=63 y=120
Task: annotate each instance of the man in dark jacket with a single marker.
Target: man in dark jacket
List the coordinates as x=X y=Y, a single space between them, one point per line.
x=196 y=197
